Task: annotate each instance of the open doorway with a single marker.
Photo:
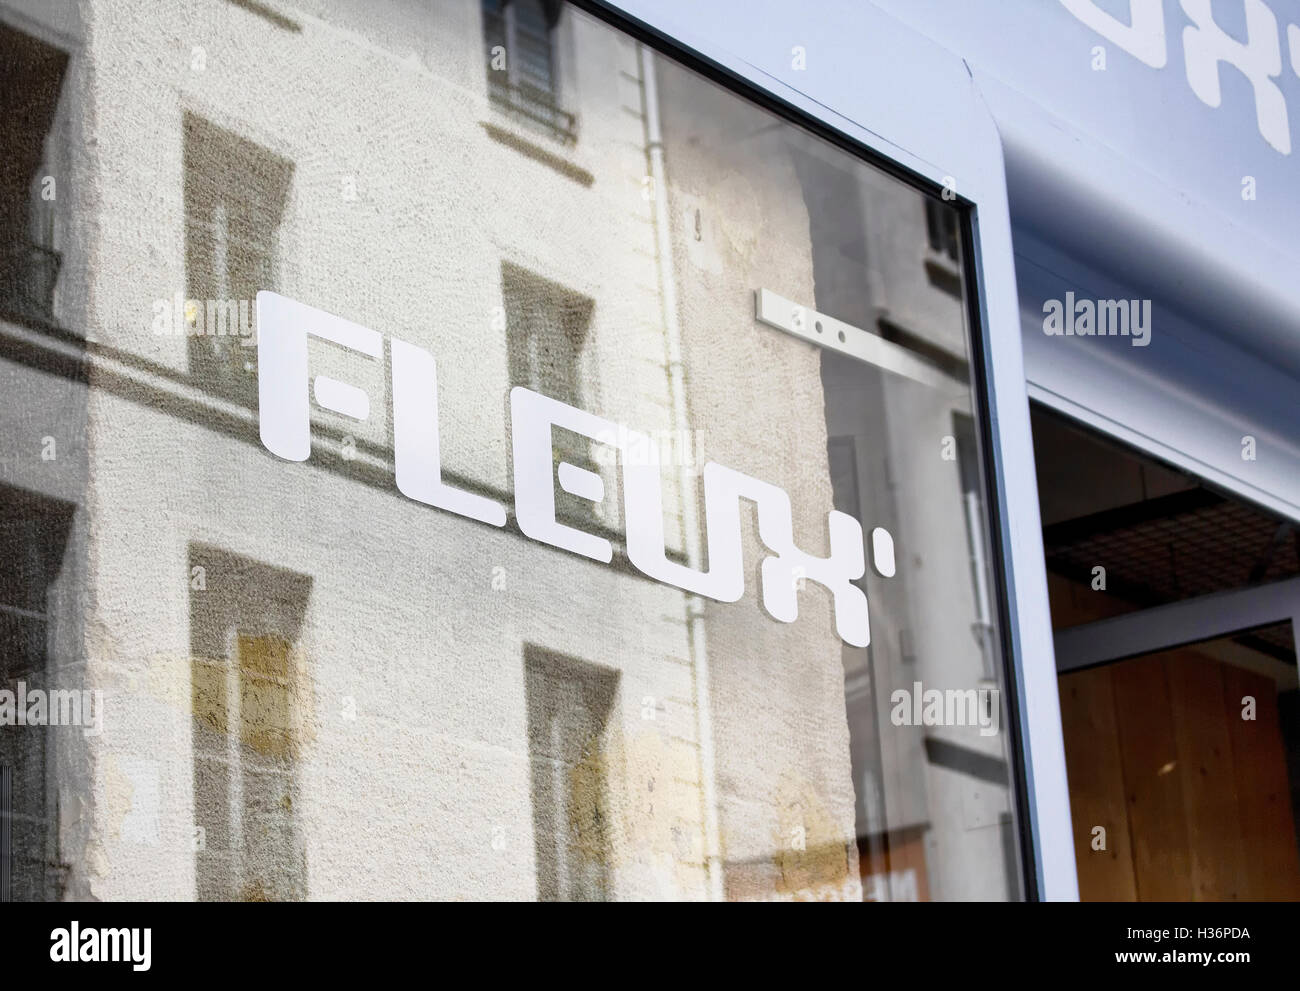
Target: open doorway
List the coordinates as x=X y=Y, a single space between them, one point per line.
x=1173 y=606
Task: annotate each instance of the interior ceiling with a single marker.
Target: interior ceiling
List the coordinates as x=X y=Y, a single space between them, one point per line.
x=1161 y=536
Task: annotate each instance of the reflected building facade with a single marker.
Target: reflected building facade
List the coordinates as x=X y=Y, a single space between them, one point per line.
x=315 y=687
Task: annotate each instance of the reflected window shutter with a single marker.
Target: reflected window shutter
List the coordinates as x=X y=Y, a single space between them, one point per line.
x=6 y=832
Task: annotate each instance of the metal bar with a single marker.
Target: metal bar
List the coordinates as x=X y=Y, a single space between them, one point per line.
x=1134 y=514
x=1177 y=624
x=806 y=323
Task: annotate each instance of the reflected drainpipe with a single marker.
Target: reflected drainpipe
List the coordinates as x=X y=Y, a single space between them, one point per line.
x=983 y=626
x=687 y=487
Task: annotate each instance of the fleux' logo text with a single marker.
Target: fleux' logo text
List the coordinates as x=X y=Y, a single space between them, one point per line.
x=283 y=328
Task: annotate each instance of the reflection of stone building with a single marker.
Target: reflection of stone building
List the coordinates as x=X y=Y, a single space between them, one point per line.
x=316 y=687
x=762 y=207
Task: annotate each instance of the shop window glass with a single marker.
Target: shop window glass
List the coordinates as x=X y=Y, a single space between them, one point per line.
x=753 y=652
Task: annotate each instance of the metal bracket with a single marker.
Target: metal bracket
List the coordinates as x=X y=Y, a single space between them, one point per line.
x=836 y=335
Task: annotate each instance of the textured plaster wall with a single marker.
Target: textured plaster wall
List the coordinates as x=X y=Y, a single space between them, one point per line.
x=407 y=799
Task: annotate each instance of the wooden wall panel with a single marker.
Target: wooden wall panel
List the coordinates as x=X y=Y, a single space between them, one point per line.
x=1162 y=861
x=1198 y=797
x=1195 y=799
x=1208 y=777
x=1096 y=775
x=1271 y=861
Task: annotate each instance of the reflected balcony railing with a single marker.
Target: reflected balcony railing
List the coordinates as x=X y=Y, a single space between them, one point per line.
x=535 y=105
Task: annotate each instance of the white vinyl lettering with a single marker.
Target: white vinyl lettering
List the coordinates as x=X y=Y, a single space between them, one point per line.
x=417 y=456
x=283 y=327
x=1205 y=45
x=284 y=412
x=1143 y=38
x=531 y=417
x=725 y=578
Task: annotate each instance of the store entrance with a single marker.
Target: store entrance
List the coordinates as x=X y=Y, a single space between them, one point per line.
x=1175 y=611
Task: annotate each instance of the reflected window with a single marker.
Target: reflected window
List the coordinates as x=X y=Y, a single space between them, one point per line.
x=941 y=229
x=33 y=536
x=235 y=194
x=6 y=832
x=521 y=58
x=547 y=327
x=31 y=81
x=569 y=706
x=252 y=695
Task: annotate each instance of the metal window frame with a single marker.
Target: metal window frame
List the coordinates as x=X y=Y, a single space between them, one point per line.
x=939 y=135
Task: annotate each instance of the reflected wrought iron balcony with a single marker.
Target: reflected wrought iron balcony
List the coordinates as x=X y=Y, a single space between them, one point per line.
x=28 y=276
x=535 y=105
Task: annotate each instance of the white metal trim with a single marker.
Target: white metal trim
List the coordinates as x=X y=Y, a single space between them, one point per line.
x=825 y=331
